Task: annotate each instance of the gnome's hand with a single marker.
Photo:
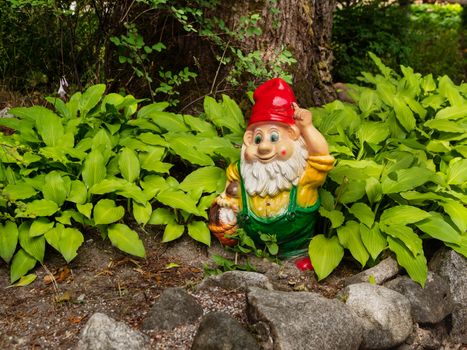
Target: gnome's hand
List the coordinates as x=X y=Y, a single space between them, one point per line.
x=302 y=116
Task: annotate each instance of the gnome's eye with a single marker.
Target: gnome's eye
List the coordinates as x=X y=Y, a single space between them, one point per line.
x=274 y=136
x=258 y=139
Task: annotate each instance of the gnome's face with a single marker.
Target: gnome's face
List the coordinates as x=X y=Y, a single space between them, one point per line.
x=269 y=141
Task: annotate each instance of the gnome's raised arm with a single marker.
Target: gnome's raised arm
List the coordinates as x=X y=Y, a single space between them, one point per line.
x=314 y=140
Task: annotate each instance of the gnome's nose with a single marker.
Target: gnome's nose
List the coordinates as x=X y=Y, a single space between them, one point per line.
x=264 y=147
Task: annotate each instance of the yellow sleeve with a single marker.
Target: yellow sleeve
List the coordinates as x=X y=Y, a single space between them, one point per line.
x=232 y=172
x=314 y=176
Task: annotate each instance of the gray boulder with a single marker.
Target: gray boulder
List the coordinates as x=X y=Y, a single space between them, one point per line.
x=385 y=314
x=220 y=331
x=241 y=280
x=175 y=307
x=453 y=267
x=430 y=304
x=302 y=320
x=382 y=272
x=104 y=333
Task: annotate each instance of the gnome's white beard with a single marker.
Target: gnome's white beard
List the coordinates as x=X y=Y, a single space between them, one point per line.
x=275 y=176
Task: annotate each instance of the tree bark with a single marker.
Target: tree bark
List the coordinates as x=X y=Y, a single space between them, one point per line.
x=302 y=27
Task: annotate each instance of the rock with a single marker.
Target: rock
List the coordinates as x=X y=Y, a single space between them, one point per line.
x=241 y=280
x=421 y=339
x=104 y=333
x=453 y=267
x=302 y=320
x=382 y=272
x=174 y=308
x=385 y=314
x=430 y=304
x=219 y=331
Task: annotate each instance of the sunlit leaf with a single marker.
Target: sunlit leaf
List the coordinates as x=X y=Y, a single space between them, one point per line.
x=172 y=231
x=363 y=213
x=40 y=226
x=34 y=246
x=94 y=169
x=126 y=240
x=208 y=179
x=128 y=163
x=349 y=237
x=335 y=216
x=199 y=231
x=71 y=239
x=178 y=200
x=19 y=191
x=403 y=215
x=437 y=227
x=457 y=213
x=406 y=235
x=22 y=263
x=56 y=188
x=8 y=240
x=107 y=212
x=325 y=254
x=374 y=241
x=142 y=212
x=162 y=216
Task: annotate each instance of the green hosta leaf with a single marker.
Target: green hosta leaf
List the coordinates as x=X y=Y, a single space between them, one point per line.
x=54 y=235
x=94 y=169
x=207 y=179
x=90 y=98
x=85 y=209
x=457 y=212
x=126 y=240
x=421 y=198
x=40 y=207
x=162 y=216
x=19 y=191
x=143 y=124
x=437 y=146
x=78 y=192
x=142 y=212
x=128 y=164
x=387 y=72
x=445 y=125
x=427 y=83
x=353 y=191
x=134 y=192
x=233 y=117
x=154 y=154
x=25 y=280
x=404 y=114
x=183 y=146
x=335 y=216
x=146 y=111
x=70 y=240
x=374 y=241
x=21 y=264
x=363 y=213
x=455 y=112
x=169 y=121
x=109 y=186
x=179 y=200
x=199 y=125
x=206 y=201
x=172 y=232
x=437 y=227
x=403 y=215
x=372 y=132
x=199 y=231
x=8 y=240
x=213 y=110
x=326 y=198
x=415 y=266
x=449 y=91
x=67 y=215
x=152 y=185
x=406 y=235
x=40 y=226
x=106 y=212
x=373 y=190
x=157 y=166
x=55 y=188
x=325 y=254
x=153 y=139
x=368 y=101
x=407 y=179
x=48 y=125
x=34 y=246
x=349 y=237
x=457 y=171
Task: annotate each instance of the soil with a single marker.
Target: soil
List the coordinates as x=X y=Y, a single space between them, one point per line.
x=50 y=312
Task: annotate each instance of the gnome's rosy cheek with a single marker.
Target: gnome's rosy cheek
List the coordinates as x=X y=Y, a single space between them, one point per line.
x=285 y=151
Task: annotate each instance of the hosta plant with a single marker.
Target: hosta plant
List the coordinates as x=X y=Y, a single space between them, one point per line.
x=401 y=171
x=96 y=158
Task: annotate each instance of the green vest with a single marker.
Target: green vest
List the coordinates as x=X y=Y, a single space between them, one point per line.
x=293 y=228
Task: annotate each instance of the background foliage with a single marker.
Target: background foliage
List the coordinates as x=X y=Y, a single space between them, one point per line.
x=427 y=37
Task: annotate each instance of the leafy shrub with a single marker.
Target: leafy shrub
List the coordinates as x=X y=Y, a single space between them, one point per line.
x=425 y=37
x=96 y=158
x=401 y=174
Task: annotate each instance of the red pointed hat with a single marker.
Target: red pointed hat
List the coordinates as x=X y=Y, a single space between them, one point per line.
x=273 y=103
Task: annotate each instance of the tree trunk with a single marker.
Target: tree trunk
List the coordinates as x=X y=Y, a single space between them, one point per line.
x=302 y=27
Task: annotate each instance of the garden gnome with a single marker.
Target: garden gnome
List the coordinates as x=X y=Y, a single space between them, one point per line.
x=273 y=189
